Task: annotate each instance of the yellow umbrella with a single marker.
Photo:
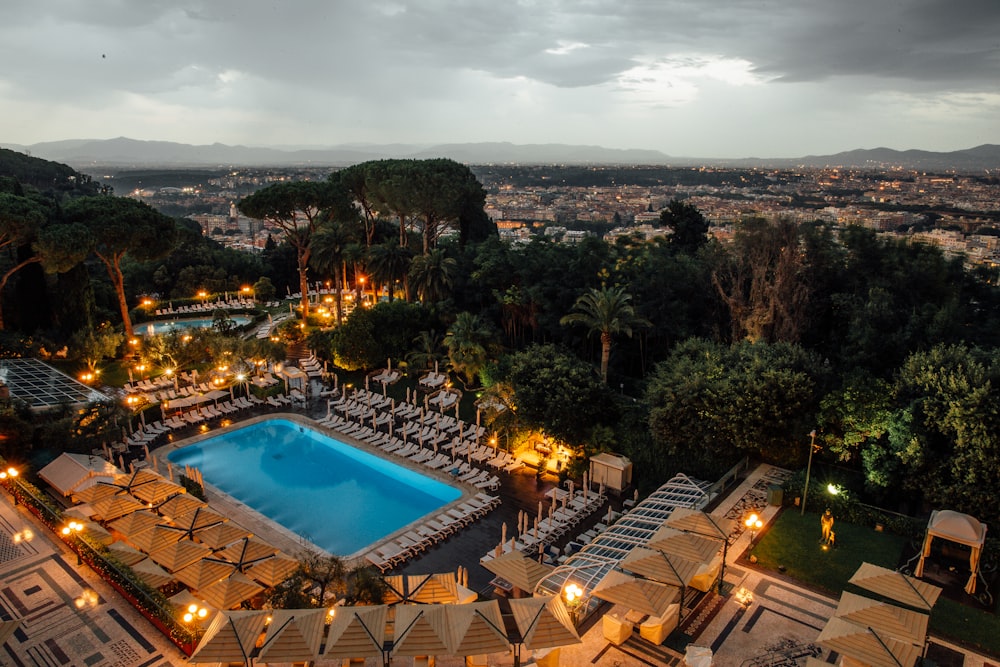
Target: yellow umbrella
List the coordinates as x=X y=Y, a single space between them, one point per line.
x=356 y=632
x=293 y=635
x=135 y=523
x=544 y=622
x=246 y=551
x=96 y=492
x=518 y=569
x=204 y=573
x=648 y=597
x=422 y=588
x=156 y=491
x=701 y=523
x=885 y=618
x=180 y=554
x=230 y=637
x=660 y=566
x=685 y=545
x=126 y=553
x=231 y=591
x=180 y=505
x=221 y=535
x=154 y=539
x=151 y=573
x=115 y=507
x=896 y=586
x=477 y=628
x=421 y=629
x=867 y=645
x=199 y=519
x=274 y=570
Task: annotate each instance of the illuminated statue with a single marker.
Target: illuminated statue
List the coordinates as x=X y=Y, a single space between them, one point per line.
x=826 y=521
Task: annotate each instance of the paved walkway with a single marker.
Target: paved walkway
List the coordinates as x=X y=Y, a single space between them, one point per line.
x=68 y=615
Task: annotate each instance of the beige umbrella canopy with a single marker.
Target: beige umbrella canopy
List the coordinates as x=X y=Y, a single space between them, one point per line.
x=246 y=551
x=477 y=628
x=701 y=523
x=543 y=622
x=518 y=569
x=885 y=618
x=230 y=637
x=896 y=586
x=421 y=629
x=866 y=645
x=356 y=632
x=95 y=492
x=134 y=523
x=115 y=507
x=660 y=566
x=180 y=505
x=422 y=588
x=231 y=591
x=222 y=535
x=293 y=635
x=151 y=573
x=274 y=570
x=83 y=511
x=97 y=533
x=126 y=553
x=155 y=538
x=157 y=491
x=204 y=573
x=648 y=597
x=180 y=554
x=684 y=545
x=199 y=519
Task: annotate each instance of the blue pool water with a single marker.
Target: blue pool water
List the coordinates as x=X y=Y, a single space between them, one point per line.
x=151 y=328
x=336 y=496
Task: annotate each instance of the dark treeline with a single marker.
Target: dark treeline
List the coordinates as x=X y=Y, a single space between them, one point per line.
x=683 y=353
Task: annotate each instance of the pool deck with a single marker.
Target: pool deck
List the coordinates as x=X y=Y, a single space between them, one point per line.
x=71 y=617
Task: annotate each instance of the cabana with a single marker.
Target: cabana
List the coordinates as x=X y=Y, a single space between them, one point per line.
x=962 y=529
x=72 y=473
x=612 y=470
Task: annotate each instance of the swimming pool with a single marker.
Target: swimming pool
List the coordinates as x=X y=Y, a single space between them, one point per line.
x=338 y=497
x=156 y=328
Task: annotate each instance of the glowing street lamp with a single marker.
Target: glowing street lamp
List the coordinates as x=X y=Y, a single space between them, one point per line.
x=754 y=524
x=193 y=618
x=68 y=531
x=573 y=595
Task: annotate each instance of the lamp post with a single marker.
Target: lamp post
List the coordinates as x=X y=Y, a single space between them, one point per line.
x=573 y=595
x=10 y=474
x=753 y=523
x=805 y=490
x=68 y=531
x=193 y=617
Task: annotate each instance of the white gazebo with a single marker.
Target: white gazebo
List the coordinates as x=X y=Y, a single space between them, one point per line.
x=955 y=527
x=614 y=471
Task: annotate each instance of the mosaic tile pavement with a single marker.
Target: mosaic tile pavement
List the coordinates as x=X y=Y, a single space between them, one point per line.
x=68 y=617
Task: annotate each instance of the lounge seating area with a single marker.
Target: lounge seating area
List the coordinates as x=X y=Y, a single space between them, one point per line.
x=430 y=532
x=219 y=304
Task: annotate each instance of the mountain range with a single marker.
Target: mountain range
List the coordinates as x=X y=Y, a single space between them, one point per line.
x=125 y=152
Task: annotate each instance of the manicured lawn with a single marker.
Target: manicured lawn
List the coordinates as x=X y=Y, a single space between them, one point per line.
x=793 y=543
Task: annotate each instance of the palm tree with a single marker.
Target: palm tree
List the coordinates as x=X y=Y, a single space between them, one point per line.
x=329 y=256
x=432 y=275
x=606 y=311
x=389 y=262
x=426 y=350
x=466 y=341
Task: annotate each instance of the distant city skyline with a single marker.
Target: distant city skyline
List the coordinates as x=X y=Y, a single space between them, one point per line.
x=723 y=79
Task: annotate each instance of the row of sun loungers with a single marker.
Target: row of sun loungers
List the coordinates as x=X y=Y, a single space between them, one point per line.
x=207 y=307
x=430 y=532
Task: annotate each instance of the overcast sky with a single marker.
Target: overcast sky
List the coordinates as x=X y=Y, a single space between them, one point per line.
x=702 y=78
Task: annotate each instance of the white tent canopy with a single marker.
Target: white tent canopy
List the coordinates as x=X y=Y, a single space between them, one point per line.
x=960 y=528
